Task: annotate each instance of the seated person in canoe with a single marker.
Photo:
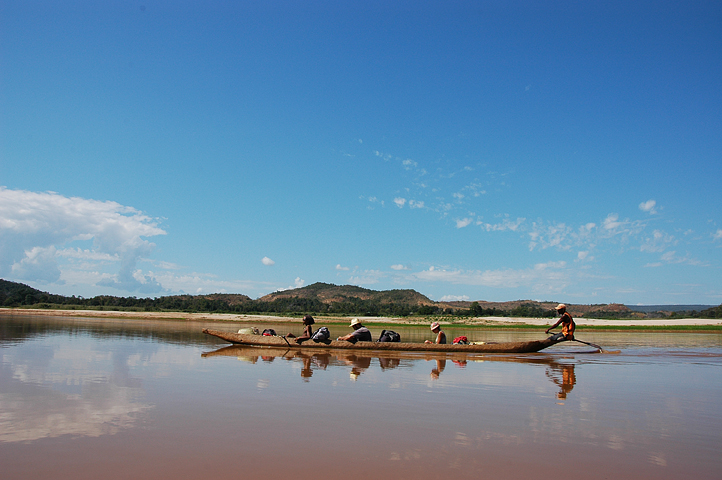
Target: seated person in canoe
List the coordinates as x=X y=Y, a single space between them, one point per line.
x=567 y=323
x=359 y=334
x=307 y=330
x=440 y=335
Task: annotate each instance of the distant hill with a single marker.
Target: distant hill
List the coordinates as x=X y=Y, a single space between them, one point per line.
x=342 y=300
x=574 y=310
x=13 y=292
x=329 y=293
x=669 y=308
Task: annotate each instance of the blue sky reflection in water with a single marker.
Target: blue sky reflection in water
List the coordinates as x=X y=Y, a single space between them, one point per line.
x=482 y=150
x=108 y=399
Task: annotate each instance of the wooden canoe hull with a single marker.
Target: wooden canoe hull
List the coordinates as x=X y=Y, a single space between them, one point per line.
x=275 y=341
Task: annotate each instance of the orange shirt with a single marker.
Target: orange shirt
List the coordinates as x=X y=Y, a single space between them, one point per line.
x=568 y=326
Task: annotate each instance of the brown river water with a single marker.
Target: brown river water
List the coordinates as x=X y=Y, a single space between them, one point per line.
x=99 y=398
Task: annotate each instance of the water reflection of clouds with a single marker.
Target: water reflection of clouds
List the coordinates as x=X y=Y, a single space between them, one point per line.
x=69 y=389
x=101 y=409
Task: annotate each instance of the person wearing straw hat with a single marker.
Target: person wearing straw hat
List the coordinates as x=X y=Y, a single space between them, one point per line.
x=359 y=334
x=567 y=323
x=440 y=335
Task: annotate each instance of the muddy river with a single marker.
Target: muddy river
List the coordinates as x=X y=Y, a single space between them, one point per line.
x=100 y=398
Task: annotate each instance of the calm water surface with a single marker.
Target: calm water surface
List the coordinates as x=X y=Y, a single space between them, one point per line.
x=98 y=398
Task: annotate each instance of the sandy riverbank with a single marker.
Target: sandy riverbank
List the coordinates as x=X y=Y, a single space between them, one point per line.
x=224 y=317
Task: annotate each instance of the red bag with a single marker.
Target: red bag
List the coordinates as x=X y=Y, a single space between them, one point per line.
x=461 y=341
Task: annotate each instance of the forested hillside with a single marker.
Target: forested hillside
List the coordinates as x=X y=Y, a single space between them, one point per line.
x=324 y=298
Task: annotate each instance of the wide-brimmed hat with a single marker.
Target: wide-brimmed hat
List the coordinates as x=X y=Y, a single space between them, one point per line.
x=354 y=322
x=435 y=325
x=560 y=306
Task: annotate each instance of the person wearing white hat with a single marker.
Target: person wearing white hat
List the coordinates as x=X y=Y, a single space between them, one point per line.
x=567 y=323
x=440 y=335
x=359 y=334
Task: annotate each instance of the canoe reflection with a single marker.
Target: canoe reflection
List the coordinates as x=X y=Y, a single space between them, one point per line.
x=559 y=372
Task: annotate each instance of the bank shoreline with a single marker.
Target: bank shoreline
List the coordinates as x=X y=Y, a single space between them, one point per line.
x=482 y=322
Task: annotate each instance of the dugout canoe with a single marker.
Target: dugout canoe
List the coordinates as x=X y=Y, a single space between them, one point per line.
x=279 y=341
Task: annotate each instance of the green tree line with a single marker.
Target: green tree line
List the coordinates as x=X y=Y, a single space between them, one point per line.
x=18 y=295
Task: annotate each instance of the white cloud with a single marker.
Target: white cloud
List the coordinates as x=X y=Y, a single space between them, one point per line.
x=648 y=206
x=584 y=256
x=399 y=267
x=463 y=222
x=416 y=204
x=87 y=255
x=454 y=298
x=717 y=235
x=400 y=202
x=339 y=267
x=34 y=225
x=39 y=265
x=298 y=283
x=267 y=261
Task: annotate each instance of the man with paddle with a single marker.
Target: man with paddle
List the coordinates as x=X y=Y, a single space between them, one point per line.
x=567 y=323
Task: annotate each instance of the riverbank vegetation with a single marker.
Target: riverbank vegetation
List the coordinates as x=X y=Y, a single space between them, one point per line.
x=324 y=299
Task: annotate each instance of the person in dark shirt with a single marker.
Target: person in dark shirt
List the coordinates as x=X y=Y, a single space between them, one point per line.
x=359 y=334
x=307 y=330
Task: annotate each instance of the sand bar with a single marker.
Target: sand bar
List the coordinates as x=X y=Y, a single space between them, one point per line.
x=489 y=321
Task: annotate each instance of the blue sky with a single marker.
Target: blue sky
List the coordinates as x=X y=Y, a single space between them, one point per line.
x=563 y=151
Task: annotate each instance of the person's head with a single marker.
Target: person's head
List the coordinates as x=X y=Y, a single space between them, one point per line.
x=308 y=320
x=355 y=324
x=435 y=327
x=561 y=308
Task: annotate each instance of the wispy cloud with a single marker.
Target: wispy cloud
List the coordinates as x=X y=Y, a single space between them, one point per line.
x=658 y=242
x=541 y=275
x=399 y=267
x=672 y=257
x=367 y=277
x=506 y=224
x=409 y=164
x=341 y=268
x=204 y=283
x=267 y=261
x=400 y=202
